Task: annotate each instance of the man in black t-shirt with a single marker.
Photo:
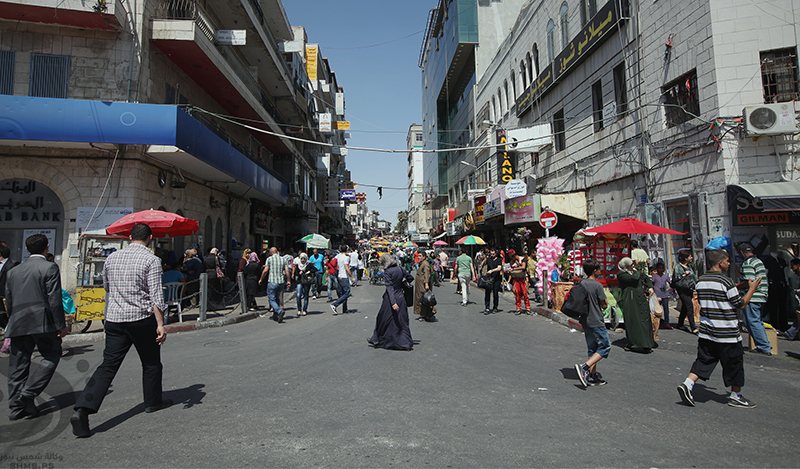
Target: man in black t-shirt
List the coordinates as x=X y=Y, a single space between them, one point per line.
x=494 y=266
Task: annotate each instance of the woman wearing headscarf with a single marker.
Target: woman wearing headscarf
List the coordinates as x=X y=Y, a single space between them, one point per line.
x=635 y=307
x=215 y=286
x=304 y=274
x=252 y=272
x=391 y=325
x=421 y=285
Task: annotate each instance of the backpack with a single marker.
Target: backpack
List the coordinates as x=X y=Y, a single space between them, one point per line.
x=576 y=304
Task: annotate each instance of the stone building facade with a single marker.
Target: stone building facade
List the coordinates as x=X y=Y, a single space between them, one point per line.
x=139 y=105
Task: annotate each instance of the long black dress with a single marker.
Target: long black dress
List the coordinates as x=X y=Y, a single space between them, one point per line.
x=252 y=272
x=391 y=327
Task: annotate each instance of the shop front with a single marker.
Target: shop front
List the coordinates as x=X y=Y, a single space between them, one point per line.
x=29 y=208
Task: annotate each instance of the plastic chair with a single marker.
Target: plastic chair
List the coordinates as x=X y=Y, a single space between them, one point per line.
x=173 y=295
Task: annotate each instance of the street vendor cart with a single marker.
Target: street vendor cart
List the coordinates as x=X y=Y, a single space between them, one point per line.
x=90 y=295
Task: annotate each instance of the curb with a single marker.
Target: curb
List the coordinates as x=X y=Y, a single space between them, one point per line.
x=184 y=327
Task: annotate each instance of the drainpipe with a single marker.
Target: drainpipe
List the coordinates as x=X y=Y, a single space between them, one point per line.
x=780 y=164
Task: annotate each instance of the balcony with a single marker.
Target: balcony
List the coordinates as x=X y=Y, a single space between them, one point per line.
x=185 y=32
x=74 y=13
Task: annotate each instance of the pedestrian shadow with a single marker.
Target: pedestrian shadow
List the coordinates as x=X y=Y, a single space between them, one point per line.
x=572 y=375
x=703 y=393
x=189 y=397
x=793 y=355
x=77 y=350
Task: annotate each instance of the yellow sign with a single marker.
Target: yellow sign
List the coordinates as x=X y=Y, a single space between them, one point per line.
x=312 y=50
x=342 y=125
x=90 y=303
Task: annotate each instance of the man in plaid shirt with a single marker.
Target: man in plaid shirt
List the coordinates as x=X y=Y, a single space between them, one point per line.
x=134 y=316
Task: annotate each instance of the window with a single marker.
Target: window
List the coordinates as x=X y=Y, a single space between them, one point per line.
x=620 y=89
x=559 y=131
x=564 y=24
x=170 y=96
x=7 y=59
x=779 y=75
x=588 y=10
x=681 y=99
x=508 y=98
x=514 y=85
x=522 y=75
x=494 y=109
x=597 y=105
x=418 y=137
x=49 y=76
x=536 y=68
x=529 y=62
x=551 y=47
x=502 y=106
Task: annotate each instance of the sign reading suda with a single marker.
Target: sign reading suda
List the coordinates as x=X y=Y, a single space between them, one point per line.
x=591 y=36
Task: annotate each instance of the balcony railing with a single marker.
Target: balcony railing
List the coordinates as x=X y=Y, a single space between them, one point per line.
x=185 y=10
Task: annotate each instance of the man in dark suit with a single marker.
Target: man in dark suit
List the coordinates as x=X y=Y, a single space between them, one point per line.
x=36 y=319
x=6 y=264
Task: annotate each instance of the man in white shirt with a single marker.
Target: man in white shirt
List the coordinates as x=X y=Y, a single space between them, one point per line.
x=354 y=265
x=344 y=276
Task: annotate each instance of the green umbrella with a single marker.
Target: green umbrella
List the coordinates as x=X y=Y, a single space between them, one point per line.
x=315 y=241
x=471 y=240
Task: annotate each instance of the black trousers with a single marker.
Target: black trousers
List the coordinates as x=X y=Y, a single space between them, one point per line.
x=20 y=382
x=729 y=355
x=120 y=336
x=494 y=289
x=687 y=309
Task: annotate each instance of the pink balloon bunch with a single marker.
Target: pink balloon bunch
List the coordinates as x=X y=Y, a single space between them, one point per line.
x=548 y=250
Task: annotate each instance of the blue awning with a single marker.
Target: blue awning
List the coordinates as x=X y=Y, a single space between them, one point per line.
x=74 y=120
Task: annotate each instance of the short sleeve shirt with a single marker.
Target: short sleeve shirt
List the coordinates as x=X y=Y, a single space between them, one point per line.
x=463 y=262
x=596 y=295
x=277 y=269
x=342 y=260
x=751 y=269
x=317 y=259
x=719 y=299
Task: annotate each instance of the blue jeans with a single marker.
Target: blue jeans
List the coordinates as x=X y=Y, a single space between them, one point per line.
x=344 y=289
x=302 y=294
x=273 y=291
x=597 y=341
x=754 y=324
x=665 y=305
x=317 y=283
x=333 y=284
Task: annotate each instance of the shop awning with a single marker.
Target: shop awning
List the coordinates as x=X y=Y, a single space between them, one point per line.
x=439 y=236
x=774 y=196
x=572 y=204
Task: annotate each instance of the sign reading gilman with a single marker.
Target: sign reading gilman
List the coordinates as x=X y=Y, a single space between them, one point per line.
x=505 y=159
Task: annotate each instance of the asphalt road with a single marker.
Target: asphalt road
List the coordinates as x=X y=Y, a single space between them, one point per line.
x=477 y=391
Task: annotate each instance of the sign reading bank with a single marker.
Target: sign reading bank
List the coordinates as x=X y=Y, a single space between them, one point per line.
x=505 y=159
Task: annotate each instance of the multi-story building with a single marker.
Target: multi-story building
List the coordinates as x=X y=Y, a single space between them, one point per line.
x=678 y=113
x=184 y=106
x=417 y=221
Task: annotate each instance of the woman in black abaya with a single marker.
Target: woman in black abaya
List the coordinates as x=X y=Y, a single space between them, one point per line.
x=391 y=325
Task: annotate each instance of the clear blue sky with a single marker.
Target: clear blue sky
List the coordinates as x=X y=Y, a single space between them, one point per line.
x=381 y=83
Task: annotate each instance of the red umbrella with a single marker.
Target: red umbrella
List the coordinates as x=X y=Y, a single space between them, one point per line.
x=632 y=226
x=440 y=243
x=163 y=224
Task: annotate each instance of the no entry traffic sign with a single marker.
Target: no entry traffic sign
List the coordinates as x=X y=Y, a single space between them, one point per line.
x=548 y=220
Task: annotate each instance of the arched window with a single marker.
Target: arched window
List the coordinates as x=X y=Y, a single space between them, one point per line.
x=508 y=98
x=536 y=68
x=522 y=75
x=514 y=85
x=218 y=239
x=564 y=19
x=551 y=47
x=500 y=106
x=494 y=110
x=208 y=236
x=530 y=67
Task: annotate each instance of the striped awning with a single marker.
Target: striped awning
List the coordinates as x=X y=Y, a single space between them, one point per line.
x=774 y=196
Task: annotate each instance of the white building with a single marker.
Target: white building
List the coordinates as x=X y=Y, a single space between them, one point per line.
x=646 y=103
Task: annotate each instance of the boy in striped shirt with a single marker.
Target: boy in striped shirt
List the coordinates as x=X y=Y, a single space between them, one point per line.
x=719 y=339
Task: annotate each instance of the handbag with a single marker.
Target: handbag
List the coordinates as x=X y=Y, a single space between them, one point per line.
x=428 y=298
x=485 y=281
x=408 y=292
x=683 y=283
x=219 y=273
x=655 y=307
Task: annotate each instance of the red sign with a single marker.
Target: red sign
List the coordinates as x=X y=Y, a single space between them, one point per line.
x=763 y=218
x=548 y=220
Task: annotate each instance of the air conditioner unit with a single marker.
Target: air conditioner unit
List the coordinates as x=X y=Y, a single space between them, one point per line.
x=770 y=119
x=294 y=189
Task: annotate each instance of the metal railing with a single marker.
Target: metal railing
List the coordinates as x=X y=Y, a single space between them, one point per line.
x=185 y=10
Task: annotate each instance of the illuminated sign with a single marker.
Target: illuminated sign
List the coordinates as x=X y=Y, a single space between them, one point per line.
x=505 y=159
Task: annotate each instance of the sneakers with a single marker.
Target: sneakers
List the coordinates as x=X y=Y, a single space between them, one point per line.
x=596 y=380
x=313 y=297
x=583 y=374
x=463 y=304
x=740 y=402
x=333 y=308
x=686 y=395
